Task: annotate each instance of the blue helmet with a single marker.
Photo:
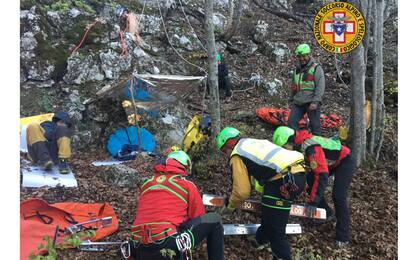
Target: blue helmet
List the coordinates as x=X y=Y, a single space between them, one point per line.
x=120 y=10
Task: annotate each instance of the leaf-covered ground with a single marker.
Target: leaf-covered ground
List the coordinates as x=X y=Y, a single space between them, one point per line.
x=373 y=193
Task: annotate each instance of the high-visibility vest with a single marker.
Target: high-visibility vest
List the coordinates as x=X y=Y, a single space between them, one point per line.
x=265 y=153
x=304 y=80
x=325 y=143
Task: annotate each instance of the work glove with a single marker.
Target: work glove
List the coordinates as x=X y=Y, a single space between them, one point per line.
x=227 y=209
x=310 y=210
x=259 y=188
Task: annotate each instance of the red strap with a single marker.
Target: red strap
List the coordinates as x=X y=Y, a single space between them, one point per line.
x=84 y=36
x=124 y=51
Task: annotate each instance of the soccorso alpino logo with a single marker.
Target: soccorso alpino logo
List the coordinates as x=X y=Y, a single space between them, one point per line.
x=339 y=27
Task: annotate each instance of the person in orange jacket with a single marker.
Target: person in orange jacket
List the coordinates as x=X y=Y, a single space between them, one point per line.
x=171 y=215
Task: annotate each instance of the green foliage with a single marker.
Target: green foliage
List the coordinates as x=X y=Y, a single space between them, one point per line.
x=45 y=103
x=82 y=5
x=51 y=251
x=72 y=240
x=61 y=6
x=168 y=253
x=391 y=87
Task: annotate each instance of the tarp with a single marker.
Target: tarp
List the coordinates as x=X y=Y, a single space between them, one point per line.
x=129 y=135
x=151 y=92
x=39 y=219
x=33 y=176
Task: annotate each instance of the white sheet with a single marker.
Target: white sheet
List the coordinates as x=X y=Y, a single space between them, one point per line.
x=34 y=176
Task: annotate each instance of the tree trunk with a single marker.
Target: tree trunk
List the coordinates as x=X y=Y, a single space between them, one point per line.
x=230 y=15
x=235 y=23
x=358 y=73
x=212 y=70
x=377 y=118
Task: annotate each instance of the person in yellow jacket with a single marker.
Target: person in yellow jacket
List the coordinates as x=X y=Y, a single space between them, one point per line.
x=49 y=142
x=279 y=174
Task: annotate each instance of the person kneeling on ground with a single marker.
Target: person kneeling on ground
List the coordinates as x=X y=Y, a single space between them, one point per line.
x=278 y=175
x=171 y=217
x=49 y=143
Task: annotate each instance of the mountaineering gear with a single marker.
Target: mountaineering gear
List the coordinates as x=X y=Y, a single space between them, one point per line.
x=282 y=134
x=225 y=134
x=276 y=207
x=181 y=157
x=39 y=219
x=255 y=206
x=63 y=166
x=310 y=210
x=267 y=164
x=330 y=158
x=308 y=86
x=303 y=49
x=170 y=214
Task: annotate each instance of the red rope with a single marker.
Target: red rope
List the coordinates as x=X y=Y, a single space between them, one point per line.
x=85 y=35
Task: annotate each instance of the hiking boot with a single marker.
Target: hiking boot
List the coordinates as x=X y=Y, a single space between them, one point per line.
x=63 y=166
x=330 y=218
x=253 y=242
x=46 y=165
x=342 y=244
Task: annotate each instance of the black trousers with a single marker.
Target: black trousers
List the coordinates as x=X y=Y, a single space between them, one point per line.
x=297 y=112
x=274 y=219
x=214 y=233
x=343 y=176
x=223 y=83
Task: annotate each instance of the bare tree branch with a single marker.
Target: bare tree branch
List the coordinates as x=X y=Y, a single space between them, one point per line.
x=285 y=15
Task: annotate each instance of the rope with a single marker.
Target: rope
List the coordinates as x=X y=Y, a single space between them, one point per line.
x=192 y=29
x=170 y=43
x=88 y=28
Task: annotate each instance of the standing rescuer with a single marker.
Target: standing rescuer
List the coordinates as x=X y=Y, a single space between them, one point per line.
x=171 y=216
x=278 y=175
x=308 y=86
x=326 y=157
x=49 y=143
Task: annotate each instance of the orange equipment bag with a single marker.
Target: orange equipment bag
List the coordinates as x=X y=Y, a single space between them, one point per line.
x=39 y=219
x=278 y=117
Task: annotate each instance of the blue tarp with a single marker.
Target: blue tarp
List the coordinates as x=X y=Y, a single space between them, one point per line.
x=129 y=135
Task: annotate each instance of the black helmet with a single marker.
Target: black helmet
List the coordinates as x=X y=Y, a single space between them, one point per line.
x=61 y=115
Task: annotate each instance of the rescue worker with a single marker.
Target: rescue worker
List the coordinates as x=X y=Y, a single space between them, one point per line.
x=276 y=171
x=308 y=86
x=326 y=157
x=49 y=142
x=223 y=79
x=170 y=214
x=129 y=23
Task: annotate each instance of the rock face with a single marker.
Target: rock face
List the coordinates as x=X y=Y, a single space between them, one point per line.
x=273 y=86
x=278 y=52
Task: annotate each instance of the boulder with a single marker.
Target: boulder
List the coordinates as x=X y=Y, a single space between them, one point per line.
x=277 y=52
x=82 y=69
x=112 y=64
x=260 y=32
x=273 y=86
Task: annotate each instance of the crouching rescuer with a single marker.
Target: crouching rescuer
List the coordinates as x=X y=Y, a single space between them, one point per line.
x=49 y=143
x=170 y=218
x=277 y=174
